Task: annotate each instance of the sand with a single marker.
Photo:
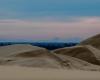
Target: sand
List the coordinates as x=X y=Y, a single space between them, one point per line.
x=26 y=62
x=94 y=41
x=84 y=52
x=36 y=57
x=27 y=55
x=23 y=73
x=13 y=50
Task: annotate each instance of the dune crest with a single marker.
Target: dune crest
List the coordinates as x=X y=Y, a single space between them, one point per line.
x=88 y=50
x=27 y=55
x=94 y=41
x=32 y=56
x=79 y=57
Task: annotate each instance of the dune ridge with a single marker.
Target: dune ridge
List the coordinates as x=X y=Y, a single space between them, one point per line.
x=94 y=41
x=87 y=50
x=27 y=62
x=84 y=52
x=32 y=56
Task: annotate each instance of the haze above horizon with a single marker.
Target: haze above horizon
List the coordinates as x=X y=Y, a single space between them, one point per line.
x=49 y=20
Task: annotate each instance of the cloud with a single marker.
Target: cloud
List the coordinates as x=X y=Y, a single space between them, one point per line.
x=47 y=19
x=79 y=27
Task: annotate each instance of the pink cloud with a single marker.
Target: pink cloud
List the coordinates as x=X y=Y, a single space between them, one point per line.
x=81 y=27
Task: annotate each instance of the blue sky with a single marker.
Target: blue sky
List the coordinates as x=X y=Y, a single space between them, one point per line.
x=15 y=13
x=38 y=8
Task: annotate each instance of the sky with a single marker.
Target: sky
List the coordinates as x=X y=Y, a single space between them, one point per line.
x=49 y=20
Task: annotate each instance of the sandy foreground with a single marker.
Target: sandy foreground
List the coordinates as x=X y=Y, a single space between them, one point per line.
x=23 y=73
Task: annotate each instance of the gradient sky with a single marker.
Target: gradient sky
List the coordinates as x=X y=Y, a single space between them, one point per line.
x=49 y=20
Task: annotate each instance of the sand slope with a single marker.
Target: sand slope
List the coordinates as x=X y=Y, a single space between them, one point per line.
x=31 y=56
x=15 y=72
x=83 y=52
x=27 y=55
x=76 y=64
x=94 y=41
x=13 y=50
x=26 y=62
x=87 y=50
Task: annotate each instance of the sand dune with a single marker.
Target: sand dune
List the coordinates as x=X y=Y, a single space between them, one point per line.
x=27 y=55
x=82 y=52
x=94 y=41
x=14 y=50
x=26 y=62
x=76 y=64
x=42 y=62
x=87 y=50
x=31 y=56
x=95 y=51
